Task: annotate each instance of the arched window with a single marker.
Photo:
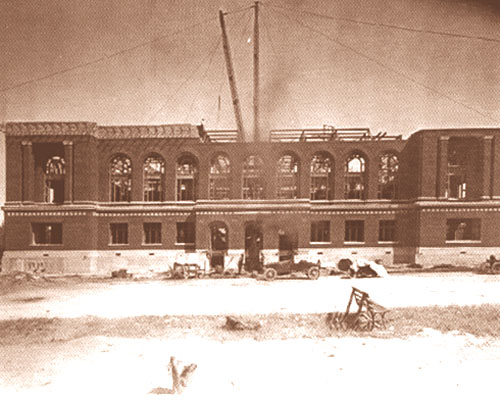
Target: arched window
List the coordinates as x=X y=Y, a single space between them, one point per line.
x=321 y=177
x=355 y=177
x=253 y=180
x=187 y=178
x=219 y=179
x=287 y=182
x=387 y=175
x=54 y=180
x=154 y=173
x=121 y=178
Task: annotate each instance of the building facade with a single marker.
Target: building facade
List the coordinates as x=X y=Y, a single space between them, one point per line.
x=83 y=198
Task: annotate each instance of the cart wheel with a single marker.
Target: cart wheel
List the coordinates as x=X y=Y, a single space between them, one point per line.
x=364 y=322
x=168 y=274
x=313 y=273
x=270 y=274
x=200 y=274
x=219 y=269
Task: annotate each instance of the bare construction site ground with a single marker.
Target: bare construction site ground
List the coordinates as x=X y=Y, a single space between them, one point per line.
x=82 y=338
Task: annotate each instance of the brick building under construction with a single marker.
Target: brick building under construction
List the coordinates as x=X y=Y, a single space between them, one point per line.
x=83 y=198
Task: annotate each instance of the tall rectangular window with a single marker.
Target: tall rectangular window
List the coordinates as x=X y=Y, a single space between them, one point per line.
x=320 y=231
x=354 y=231
x=153 y=175
x=387 y=231
x=118 y=233
x=152 y=233
x=47 y=233
x=185 y=233
x=463 y=229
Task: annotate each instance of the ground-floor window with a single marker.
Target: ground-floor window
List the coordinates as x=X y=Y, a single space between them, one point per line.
x=118 y=233
x=45 y=233
x=185 y=233
x=463 y=229
x=152 y=233
x=320 y=232
x=387 y=231
x=354 y=231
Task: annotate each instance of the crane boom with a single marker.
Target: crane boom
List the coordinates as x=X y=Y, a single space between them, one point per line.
x=232 y=79
x=256 y=122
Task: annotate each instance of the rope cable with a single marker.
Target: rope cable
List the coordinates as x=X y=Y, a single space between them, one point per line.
x=213 y=54
x=389 y=26
x=106 y=57
x=389 y=68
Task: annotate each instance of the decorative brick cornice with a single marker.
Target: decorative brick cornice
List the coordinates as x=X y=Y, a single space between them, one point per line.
x=46 y=213
x=49 y=128
x=185 y=131
x=140 y=214
x=182 y=131
x=461 y=209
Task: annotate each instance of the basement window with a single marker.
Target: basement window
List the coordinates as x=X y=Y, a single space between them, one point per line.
x=354 y=231
x=46 y=233
x=387 y=231
x=320 y=232
x=463 y=229
x=185 y=233
x=152 y=233
x=118 y=233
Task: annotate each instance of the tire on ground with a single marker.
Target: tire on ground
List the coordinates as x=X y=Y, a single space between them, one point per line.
x=313 y=272
x=270 y=274
x=168 y=274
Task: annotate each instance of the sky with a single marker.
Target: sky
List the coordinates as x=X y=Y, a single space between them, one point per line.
x=314 y=70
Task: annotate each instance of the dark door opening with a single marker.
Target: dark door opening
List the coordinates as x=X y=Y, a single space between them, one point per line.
x=218 y=246
x=287 y=246
x=253 y=247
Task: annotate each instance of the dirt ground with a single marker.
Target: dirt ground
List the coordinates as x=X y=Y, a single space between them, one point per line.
x=107 y=339
x=74 y=297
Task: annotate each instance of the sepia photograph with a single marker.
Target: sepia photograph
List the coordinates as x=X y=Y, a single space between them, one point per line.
x=240 y=199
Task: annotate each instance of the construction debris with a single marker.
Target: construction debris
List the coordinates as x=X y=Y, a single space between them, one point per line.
x=181 y=374
x=122 y=273
x=237 y=324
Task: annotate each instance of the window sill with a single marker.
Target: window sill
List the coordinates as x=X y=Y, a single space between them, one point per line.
x=185 y=244
x=319 y=243
x=152 y=244
x=463 y=241
x=387 y=242
x=354 y=243
x=117 y=244
x=46 y=245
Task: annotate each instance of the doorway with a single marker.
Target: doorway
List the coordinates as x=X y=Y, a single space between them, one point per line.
x=218 y=245
x=287 y=245
x=254 y=244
